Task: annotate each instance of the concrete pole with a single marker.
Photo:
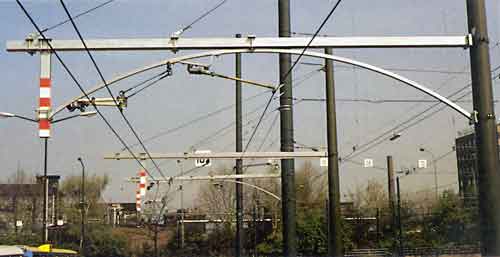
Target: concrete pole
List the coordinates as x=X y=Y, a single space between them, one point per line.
x=390 y=186
x=400 y=224
x=286 y=124
x=486 y=131
x=335 y=246
x=239 y=162
x=181 y=187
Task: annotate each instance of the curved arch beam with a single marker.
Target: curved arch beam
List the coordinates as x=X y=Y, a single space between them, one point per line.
x=253 y=186
x=381 y=71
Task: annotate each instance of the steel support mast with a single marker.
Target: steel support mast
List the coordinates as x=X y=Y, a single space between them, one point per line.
x=288 y=203
x=335 y=246
x=486 y=130
x=239 y=162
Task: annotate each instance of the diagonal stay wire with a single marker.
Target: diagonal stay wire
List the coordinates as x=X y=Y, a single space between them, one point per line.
x=312 y=39
x=143 y=82
x=148 y=85
x=80 y=86
x=109 y=90
x=182 y=30
x=77 y=16
x=291 y=68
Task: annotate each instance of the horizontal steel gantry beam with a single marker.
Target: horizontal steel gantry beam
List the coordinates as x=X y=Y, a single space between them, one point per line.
x=250 y=42
x=221 y=155
x=209 y=177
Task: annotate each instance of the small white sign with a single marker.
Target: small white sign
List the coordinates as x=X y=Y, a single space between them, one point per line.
x=19 y=223
x=60 y=222
x=422 y=164
x=368 y=163
x=323 y=162
x=202 y=162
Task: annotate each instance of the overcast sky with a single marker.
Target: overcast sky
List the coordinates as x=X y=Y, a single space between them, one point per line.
x=183 y=97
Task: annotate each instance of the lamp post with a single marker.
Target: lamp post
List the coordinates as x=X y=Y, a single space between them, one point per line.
x=435 y=170
x=45 y=236
x=82 y=206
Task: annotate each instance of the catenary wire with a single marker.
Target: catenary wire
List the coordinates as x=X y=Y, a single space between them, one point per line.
x=378 y=101
x=81 y=88
x=220 y=132
x=381 y=138
x=77 y=16
x=120 y=110
x=143 y=82
x=290 y=70
x=148 y=85
x=431 y=107
x=269 y=131
x=420 y=70
x=168 y=131
x=182 y=30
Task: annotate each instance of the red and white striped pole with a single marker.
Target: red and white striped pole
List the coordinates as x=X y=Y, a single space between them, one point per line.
x=142 y=182
x=138 y=201
x=44 y=108
x=44 y=105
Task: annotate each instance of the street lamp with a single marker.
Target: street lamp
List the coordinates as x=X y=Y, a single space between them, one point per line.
x=45 y=180
x=82 y=206
x=11 y=115
x=435 y=170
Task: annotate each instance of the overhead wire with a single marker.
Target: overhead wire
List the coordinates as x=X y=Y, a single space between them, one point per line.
x=120 y=110
x=178 y=33
x=380 y=139
x=226 y=129
x=148 y=85
x=76 y=16
x=183 y=125
x=78 y=84
x=193 y=121
x=182 y=30
x=378 y=101
x=290 y=70
x=427 y=109
x=396 y=69
x=269 y=131
x=143 y=82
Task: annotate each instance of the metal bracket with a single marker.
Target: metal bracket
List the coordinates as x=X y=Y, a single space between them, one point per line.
x=470 y=41
x=173 y=38
x=285 y=107
x=43 y=113
x=82 y=103
x=474 y=119
x=250 y=39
